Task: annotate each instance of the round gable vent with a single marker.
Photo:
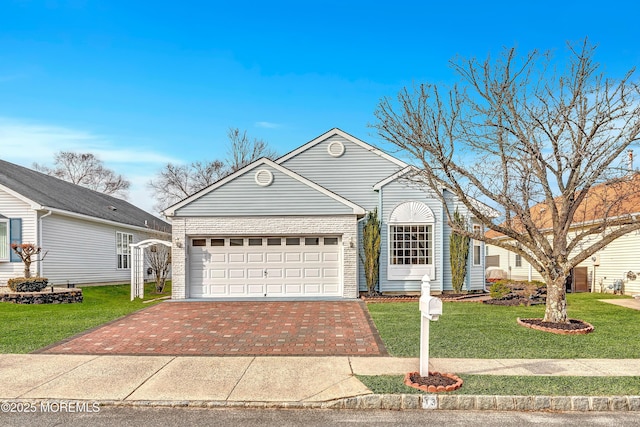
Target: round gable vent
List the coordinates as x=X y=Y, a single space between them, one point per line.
x=264 y=177
x=335 y=149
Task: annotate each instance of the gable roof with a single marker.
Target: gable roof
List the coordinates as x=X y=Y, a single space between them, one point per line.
x=358 y=210
x=44 y=192
x=336 y=131
x=612 y=199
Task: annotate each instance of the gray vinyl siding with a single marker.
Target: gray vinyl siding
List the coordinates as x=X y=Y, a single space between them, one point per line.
x=474 y=280
x=81 y=251
x=393 y=194
x=12 y=207
x=243 y=197
x=351 y=175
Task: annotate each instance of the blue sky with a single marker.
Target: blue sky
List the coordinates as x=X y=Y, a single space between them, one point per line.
x=142 y=83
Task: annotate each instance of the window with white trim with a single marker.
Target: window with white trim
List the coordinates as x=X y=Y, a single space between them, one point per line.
x=411 y=242
x=518 y=260
x=123 y=250
x=4 y=239
x=477 y=248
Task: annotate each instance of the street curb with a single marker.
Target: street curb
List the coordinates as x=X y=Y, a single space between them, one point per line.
x=400 y=402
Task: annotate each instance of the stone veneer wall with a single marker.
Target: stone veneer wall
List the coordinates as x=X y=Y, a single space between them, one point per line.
x=342 y=225
x=58 y=296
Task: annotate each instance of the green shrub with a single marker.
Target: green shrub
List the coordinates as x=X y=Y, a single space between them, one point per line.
x=499 y=290
x=31 y=284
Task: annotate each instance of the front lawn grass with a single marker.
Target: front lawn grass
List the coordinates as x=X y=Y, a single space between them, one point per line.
x=517 y=385
x=475 y=330
x=25 y=328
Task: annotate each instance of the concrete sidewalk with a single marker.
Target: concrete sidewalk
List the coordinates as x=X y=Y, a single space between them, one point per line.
x=246 y=379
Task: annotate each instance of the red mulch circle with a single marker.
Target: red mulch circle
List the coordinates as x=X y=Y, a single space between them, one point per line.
x=436 y=382
x=574 y=327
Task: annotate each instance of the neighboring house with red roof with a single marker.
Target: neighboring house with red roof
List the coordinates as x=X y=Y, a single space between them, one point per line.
x=616 y=264
x=86 y=234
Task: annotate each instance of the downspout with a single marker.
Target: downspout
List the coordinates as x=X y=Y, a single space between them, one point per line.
x=40 y=268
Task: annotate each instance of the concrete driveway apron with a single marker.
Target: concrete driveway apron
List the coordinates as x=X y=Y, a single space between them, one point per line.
x=239 y=328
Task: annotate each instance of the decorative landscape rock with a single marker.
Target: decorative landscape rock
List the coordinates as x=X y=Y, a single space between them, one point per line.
x=57 y=296
x=31 y=284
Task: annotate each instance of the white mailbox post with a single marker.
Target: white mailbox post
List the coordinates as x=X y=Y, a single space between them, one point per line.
x=430 y=309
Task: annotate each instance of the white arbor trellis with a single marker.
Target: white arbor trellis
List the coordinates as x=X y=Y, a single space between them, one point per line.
x=137 y=265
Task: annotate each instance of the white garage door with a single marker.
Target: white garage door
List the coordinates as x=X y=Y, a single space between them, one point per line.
x=265 y=266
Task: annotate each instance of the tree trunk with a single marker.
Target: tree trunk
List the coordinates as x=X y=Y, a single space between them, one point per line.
x=556 y=309
x=27 y=269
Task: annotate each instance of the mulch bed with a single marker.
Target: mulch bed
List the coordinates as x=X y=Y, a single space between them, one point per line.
x=434 y=383
x=574 y=327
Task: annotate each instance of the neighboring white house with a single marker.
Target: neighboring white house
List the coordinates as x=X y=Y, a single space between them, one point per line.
x=292 y=227
x=86 y=234
x=618 y=262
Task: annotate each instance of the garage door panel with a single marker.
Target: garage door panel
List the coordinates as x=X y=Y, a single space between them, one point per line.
x=292 y=273
x=236 y=273
x=219 y=258
x=255 y=273
x=237 y=290
x=255 y=257
x=330 y=273
x=309 y=268
x=274 y=257
x=274 y=273
x=312 y=288
x=294 y=289
x=330 y=288
x=276 y=289
x=255 y=289
x=330 y=257
x=311 y=272
x=218 y=273
x=236 y=257
x=292 y=257
x=311 y=257
x=219 y=290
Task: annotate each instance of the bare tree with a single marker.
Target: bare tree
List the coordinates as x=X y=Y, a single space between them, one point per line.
x=176 y=182
x=87 y=170
x=242 y=150
x=539 y=144
x=158 y=258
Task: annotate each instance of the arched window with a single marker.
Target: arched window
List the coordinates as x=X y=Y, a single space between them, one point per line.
x=411 y=242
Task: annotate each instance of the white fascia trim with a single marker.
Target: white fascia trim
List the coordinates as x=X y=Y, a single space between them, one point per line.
x=393 y=177
x=358 y=210
x=34 y=205
x=102 y=221
x=336 y=131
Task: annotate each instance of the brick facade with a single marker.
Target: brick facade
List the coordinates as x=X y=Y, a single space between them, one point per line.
x=186 y=227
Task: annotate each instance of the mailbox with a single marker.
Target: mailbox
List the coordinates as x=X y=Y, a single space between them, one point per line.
x=431 y=307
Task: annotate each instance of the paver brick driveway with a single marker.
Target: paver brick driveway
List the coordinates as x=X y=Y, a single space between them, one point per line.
x=234 y=328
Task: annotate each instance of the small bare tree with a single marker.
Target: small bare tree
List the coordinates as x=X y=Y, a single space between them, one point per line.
x=158 y=258
x=537 y=143
x=87 y=170
x=28 y=253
